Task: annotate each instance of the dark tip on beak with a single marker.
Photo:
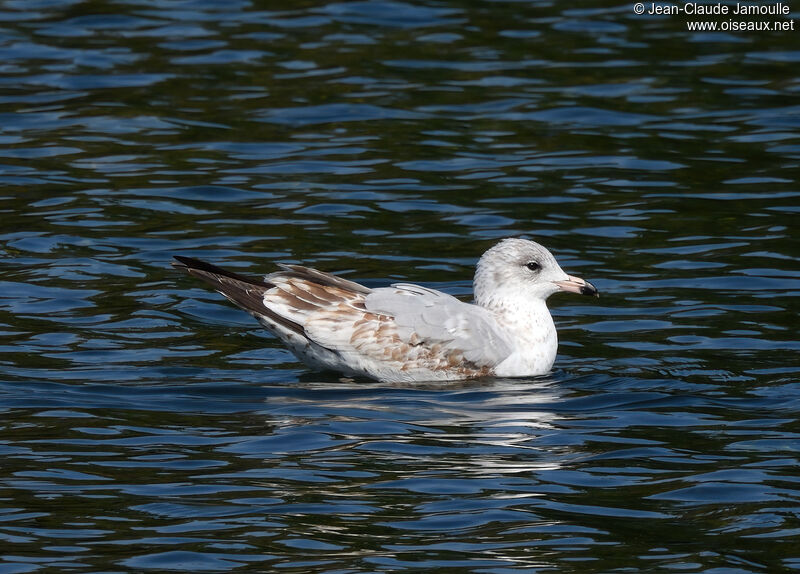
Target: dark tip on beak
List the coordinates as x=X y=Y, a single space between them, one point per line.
x=578 y=285
x=590 y=290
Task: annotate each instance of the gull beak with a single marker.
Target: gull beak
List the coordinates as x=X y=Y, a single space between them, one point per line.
x=577 y=285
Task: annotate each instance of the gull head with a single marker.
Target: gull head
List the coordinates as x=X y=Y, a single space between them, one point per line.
x=522 y=268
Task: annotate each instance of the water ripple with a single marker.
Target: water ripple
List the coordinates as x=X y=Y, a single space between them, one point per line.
x=148 y=425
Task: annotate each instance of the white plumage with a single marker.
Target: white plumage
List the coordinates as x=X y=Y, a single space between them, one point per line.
x=406 y=332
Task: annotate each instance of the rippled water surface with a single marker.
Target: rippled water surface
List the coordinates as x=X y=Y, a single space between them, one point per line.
x=149 y=425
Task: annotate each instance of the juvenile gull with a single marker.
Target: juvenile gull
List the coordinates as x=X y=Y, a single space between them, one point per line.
x=406 y=332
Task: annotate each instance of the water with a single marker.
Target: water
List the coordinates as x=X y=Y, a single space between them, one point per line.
x=149 y=425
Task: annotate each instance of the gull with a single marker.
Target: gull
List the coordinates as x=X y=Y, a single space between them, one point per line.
x=406 y=332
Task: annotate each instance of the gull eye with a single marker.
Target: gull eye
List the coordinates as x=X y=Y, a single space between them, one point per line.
x=533 y=266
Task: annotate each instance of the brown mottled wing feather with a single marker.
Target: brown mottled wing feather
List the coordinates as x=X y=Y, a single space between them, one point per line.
x=315 y=277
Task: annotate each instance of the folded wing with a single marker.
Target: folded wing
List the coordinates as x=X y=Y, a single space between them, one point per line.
x=432 y=318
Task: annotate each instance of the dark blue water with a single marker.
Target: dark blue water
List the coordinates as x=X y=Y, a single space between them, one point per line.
x=150 y=426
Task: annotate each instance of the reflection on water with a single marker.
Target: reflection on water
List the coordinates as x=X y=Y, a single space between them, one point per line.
x=499 y=474
x=149 y=425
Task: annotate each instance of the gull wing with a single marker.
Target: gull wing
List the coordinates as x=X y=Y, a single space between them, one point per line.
x=428 y=317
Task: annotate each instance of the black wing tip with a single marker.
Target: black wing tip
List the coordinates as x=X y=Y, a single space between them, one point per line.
x=190 y=264
x=238 y=289
x=182 y=262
